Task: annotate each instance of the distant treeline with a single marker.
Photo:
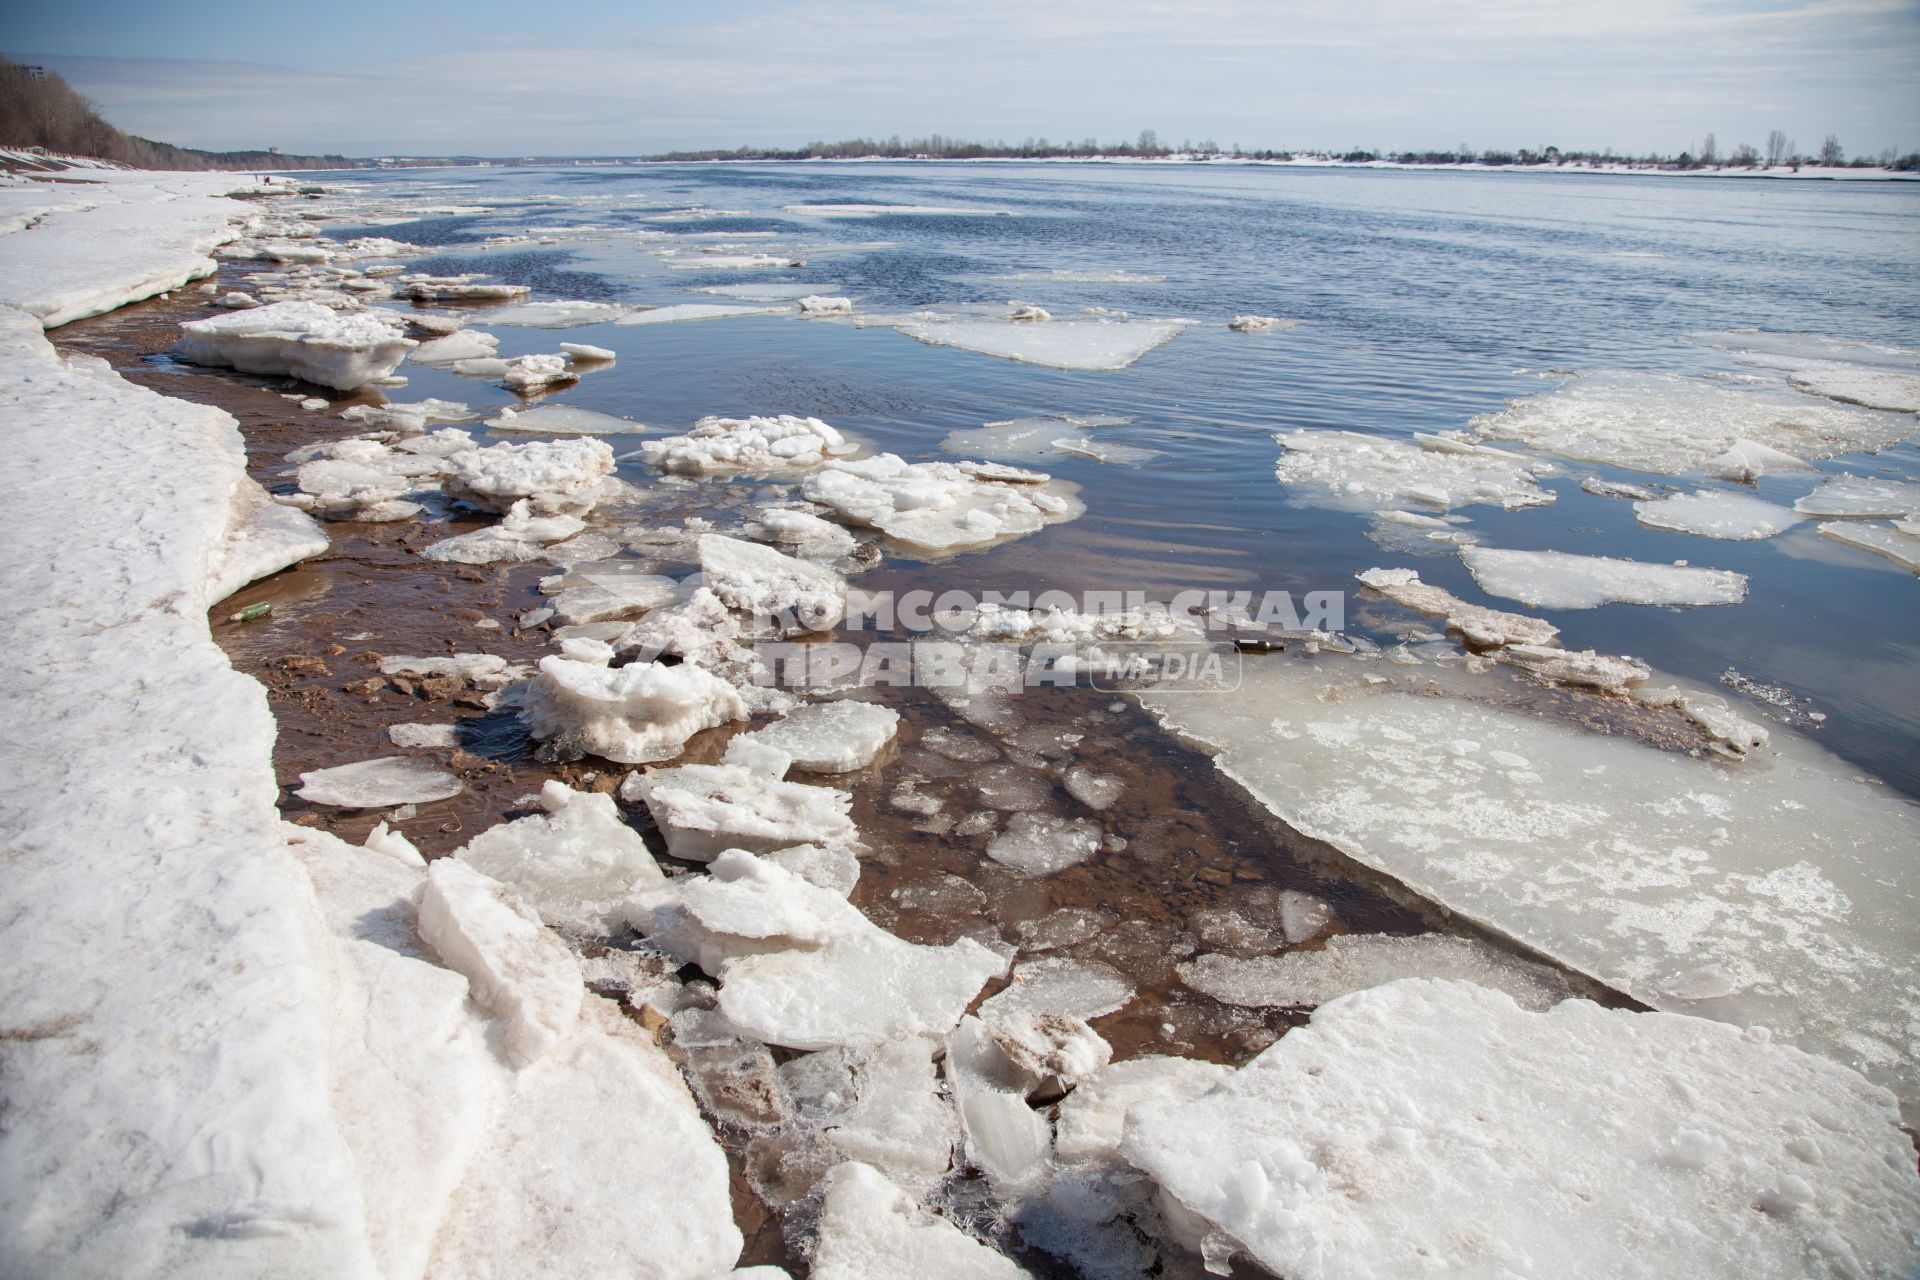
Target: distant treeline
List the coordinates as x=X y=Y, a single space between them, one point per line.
x=39 y=109
x=1780 y=152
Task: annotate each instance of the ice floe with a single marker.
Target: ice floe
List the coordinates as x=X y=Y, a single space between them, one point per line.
x=815 y=304
x=1089 y=344
x=1481 y=626
x=553 y=315
x=1870 y=388
x=1039 y=844
x=520 y=537
x=831 y=737
x=558 y=477
x=748 y=446
x=263 y=537
x=466 y=288
x=703 y=810
x=462 y=344
x=573 y=864
x=562 y=420
x=696 y=311
x=1562 y=580
x=1746 y=461
x=1899 y=543
x=872 y=1230
x=1354 y=472
x=1352 y=962
x=378 y=784
x=1758 y=893
x=1850 y=497
x=1670 y=425
x=1365 y=1138
x=634 y=714
x=1716 y=513
x=304 y=339
x=1259 y=324
x=939 y=506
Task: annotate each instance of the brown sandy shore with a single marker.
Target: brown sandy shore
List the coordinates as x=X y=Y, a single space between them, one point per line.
x=1201 y=868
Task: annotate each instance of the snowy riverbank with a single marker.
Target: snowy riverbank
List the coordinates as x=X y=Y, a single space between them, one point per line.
x=238 y=1047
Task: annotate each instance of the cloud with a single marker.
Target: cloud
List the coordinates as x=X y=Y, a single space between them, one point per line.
x=1636 y=74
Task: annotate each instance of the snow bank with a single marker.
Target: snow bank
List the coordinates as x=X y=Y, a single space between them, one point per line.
x=1437 y=1127
x=1561 y=580
x=1774 y=892
x=304 y=339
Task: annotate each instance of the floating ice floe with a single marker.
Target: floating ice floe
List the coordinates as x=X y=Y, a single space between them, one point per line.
x=574 y=864
x=940 y=506
x=800 y=967
x=1582 y=668
x=1481 y=626
x=462 y=344
x=1763 y=893
x=1062 y=985
x=1040 y=437
x=634 y=714
x=777 y=594
x=521 y=537
x=1365 y=1138
x=872 y=1230
x=378 y=784
x=1562 y=580
x=1259 y=324
x=556 y=477
x=489 y=671
x=1746 y=461
x=563 y=420
x=413 y=419
x=1600 y=488
x=604 y=593
x=1351 y=962
x=1716 y=513
x=815 y=304
x=235 y=300
x=732 y=262
x=1899 y=542
x=587 y=353
x=805 y=532
x=748 y=446
x=740 y=803
x=1039 y=844
x=525 y=375
x=767 y=291
x=1669 y=425
x=1068 y=275
x=1088 y=344
x=1869 y=388
x=1850 y=497
x=553 y=315
x=697 y=311
x=460 y=289
x=831 y=737
x=519 y=971
x=1353 y=472
x=303 y=339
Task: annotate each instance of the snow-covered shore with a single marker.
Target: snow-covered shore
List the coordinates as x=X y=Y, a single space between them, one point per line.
x=235 y=1047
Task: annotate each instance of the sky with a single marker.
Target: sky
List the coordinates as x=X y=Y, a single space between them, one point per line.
x=601 y=77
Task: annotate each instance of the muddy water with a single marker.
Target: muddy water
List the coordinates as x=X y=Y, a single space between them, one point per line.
x=1189 y=864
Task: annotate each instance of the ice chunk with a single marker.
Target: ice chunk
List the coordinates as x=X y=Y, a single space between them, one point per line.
x=1870 y=388
x=898 y=1121
x=831 y=737
x=1584 y=668
x=464 y=344
x=378 y=784
x=872 y=1230
x=1715 y=513
x=1482 y=627
x=1093 y=1116
x=1887 y=541
x=424 y=737
x=1560 y=580
x=587 y=353
x=1259 y=324
x=703 y=809
x=1059 y=984
x=263 y=537
x=697 y=311
x=602 y=597
x=939 y=506
x=1342 y=1150
x=818 y=305
x=461 y=289
x=1355 y=961
x=1627 y=863
x=1094 y=790
x=726 y=446
x=485 y=669
x=304 y=339
x=520 y=537
x=413 y=419
x=730 y=262
x=1039 y=844
x=808 y=534
x=519 y=971
x=1090 y=344
x=834 y=867
x=634 y=714
x=1056 y=1050
x=1747 y=461
x=573 y=864
x=558 y=477
x=799 y=966
x=531 y=373
x=1851 y=497
x=1733 y=735
x=778 y=593
x=1668 y=424
x=1638 y=492
x=1353 y=472
x=554 y=315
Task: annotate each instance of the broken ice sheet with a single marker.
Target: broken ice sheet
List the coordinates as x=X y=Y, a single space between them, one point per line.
x=1089 y=344
x=1869 y=388
x=1355 y=961
x=1773 y=891
x=563 y=420
x=697 y=311
x=1851 y=497
x=574 y=864
x=1349 y=471
x=831 y=737
x=1703 y=1150
x=1039 y=844
x=1018 y=438
x=872 y=1230
x=553 y=315
x=378 y=784
x=1669 y=425
x=1889 y=542
x=1716 y=513
x=1561 y=580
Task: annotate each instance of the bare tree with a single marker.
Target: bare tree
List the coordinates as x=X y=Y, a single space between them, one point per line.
x=1744 y=156
x=1776 y=148
x=1149 y=142
x=1830 y=153
x=1710 y=151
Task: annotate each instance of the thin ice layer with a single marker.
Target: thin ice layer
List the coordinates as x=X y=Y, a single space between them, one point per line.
x=1349 y=471
x=1886 y=541
x=1351 y=962
x=831 y=737
x=1059 y=344
x=1716 y=513
x=1851 y=497
x=1669 y=425
x=1775 y=891
x=1437 y=1128
x=1562 y=580
x=563 y=420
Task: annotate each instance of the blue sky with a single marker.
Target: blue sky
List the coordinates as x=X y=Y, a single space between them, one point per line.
x=489 y=77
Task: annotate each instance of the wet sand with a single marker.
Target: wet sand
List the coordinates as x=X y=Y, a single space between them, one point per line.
x=1201 y=867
